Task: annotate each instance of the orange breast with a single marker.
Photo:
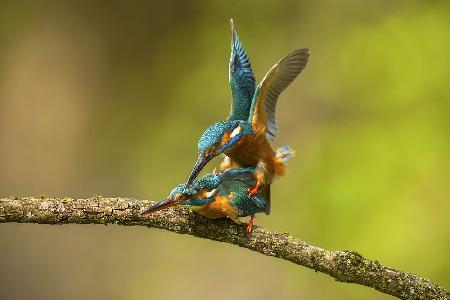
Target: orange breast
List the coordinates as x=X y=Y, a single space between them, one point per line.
x=254 y=148
x=219 y=208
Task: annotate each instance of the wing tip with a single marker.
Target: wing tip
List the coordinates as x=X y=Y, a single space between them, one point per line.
x=299 y=57
x=234 y=36
x=302 y=52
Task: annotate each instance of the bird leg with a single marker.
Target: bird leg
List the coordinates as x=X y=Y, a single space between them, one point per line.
x=250 y=224
x=252 y=191
x=259 y=176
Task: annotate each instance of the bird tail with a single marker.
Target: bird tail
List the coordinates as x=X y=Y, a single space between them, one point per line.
x=284 y=153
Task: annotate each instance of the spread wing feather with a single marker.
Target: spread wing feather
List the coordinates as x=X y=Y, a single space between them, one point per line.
x=276 y=80
x=242 y=80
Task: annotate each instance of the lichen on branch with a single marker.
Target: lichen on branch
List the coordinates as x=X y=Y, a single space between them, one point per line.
x=344 y=266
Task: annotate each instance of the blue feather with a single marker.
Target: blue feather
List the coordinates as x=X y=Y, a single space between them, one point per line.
x=242 y=80
x=230 y=142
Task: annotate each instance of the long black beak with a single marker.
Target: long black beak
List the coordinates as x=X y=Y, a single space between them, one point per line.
x=168 y=202
x=199 y=165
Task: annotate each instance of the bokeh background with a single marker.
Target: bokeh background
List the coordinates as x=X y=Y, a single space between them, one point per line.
x=109 y=98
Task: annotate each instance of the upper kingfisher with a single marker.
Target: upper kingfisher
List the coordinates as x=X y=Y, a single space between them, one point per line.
x=219 y=195
x=245 y=136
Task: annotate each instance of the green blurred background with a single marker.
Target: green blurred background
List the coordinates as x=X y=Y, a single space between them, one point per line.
x=109 y=98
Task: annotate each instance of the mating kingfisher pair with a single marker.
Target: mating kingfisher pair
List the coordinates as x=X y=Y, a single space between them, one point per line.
x=241 y=186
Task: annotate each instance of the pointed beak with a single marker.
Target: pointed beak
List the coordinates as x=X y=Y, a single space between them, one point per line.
x=166 y=203
x=199 y=165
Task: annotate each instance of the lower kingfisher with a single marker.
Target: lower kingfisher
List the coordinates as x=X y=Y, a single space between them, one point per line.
x=246 y=141
x=223 y=195
x=220 y=195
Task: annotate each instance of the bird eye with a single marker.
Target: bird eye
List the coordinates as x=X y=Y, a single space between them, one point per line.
x=213 y=149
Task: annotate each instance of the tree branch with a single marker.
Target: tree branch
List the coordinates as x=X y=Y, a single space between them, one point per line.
x=344 y=266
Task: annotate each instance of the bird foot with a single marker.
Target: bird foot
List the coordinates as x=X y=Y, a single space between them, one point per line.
x=249 y=227
x=252 y=191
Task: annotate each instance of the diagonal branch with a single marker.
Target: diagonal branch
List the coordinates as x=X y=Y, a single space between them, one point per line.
x=344 y=266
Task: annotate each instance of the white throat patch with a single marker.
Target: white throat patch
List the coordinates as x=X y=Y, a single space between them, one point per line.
x=236 y=131
x=211 y=193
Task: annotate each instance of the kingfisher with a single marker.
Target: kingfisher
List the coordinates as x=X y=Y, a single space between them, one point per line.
x=245 y=136
x=225 y=194
x=220 y=195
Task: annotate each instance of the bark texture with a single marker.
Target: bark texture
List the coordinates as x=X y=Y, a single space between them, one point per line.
x=344 y=266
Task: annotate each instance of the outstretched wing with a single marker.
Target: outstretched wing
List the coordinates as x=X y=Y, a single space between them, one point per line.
x=242 y=80
x=264 y=103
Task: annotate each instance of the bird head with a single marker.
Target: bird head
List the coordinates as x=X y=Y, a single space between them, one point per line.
x=178 y=196
x=215 y=140
x=183 y=195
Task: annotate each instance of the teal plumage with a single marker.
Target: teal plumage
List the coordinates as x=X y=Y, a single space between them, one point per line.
x=242 y=80
x=242 y=186
x=224 y=194
x=212 y=137
x=244 y=137
x=230 y=185
x=235 y=181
